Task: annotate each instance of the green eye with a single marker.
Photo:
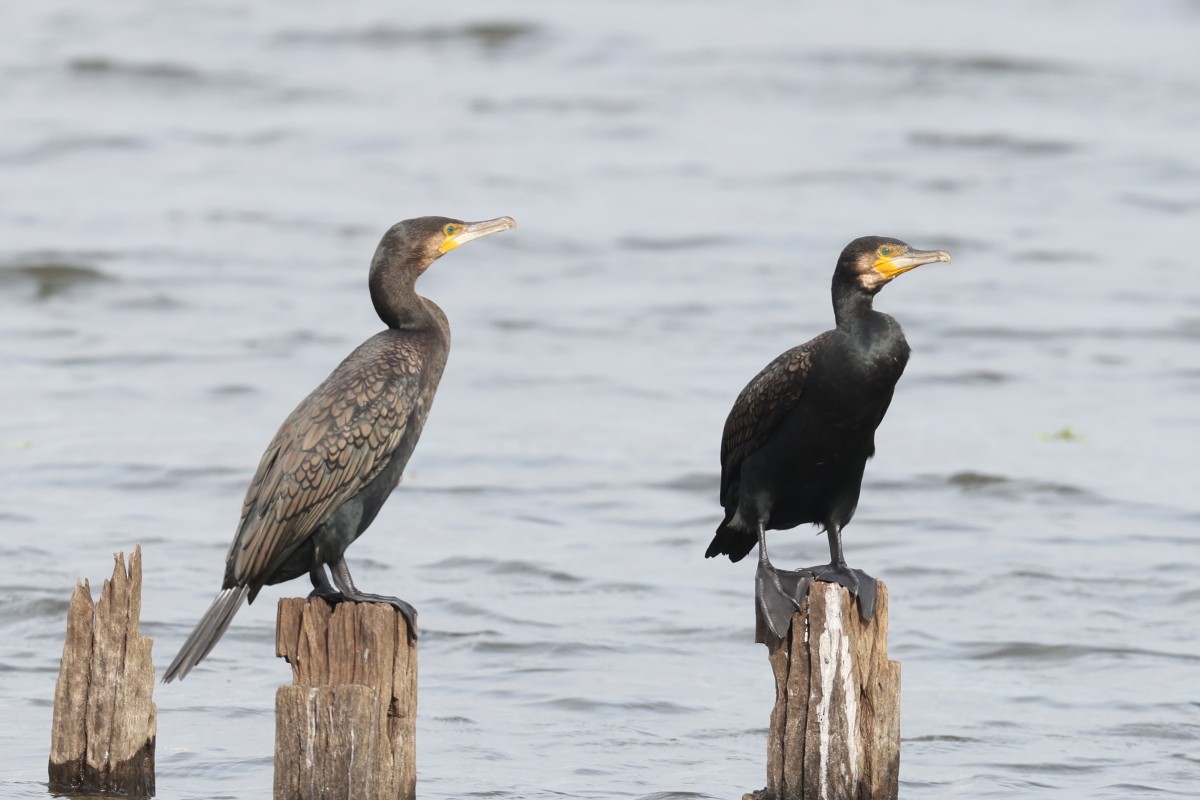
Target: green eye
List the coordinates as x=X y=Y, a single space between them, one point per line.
x=885 y=251
x=450 y=230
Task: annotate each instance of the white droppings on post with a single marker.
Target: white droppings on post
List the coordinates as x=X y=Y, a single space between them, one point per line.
x=834 y=647
x=350 y=762
x=312 y=729
x=846 y=666
x=828 y=644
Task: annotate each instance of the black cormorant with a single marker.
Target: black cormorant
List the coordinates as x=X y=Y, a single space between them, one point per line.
x=799 y=435
x=341 y=452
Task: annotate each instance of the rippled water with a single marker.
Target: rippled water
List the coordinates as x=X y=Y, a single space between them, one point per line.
x=190 y=200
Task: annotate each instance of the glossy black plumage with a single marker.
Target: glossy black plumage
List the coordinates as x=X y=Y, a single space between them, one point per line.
x=341 y=452
x=799 y=435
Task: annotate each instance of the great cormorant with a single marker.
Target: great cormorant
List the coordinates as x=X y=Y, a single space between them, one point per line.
x=341 y=452
x=799 y=435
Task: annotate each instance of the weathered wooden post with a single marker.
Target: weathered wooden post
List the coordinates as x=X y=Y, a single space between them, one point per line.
x=105 y=720
x=835 y=728
x=346 y=728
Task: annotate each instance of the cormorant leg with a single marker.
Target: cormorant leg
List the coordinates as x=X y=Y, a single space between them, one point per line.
x=836 y=559
x=774 y=601
x=322 y=587
x=341 y=577
x=860 y=584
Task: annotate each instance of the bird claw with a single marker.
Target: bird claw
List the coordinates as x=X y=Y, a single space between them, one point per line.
x=410 y=613
x=333 y=597
x=860 y=585
x=777 y=595
x=780 y=593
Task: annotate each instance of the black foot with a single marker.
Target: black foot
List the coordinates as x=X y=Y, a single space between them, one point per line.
x=343 y=581
x=327 y=593
x=777 y=595
x=410 y=613
x=333 y=597
x=860 y=584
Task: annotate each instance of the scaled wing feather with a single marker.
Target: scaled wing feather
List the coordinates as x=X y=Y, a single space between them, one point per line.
x=759 y=409
x=332 y=445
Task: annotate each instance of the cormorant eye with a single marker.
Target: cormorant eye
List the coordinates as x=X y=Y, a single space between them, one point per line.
x=885 y=251
x=450 y=230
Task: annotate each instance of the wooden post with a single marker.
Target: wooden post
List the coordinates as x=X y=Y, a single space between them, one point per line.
x=105 y=720
x=835 y=728
x=346 y=728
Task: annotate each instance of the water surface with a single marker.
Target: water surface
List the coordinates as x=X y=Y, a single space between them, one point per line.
x=191 y=198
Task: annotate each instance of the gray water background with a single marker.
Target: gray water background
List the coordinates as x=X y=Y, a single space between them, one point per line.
x=189 y=198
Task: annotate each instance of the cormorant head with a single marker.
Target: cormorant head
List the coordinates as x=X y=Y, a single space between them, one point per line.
x=414 y=244
x=407 y=250
x=872 y=261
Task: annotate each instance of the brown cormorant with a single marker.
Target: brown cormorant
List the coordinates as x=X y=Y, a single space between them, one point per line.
x=341 y=452
x=799 y=435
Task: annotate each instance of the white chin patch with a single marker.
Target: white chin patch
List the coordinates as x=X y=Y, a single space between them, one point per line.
x=873 y=279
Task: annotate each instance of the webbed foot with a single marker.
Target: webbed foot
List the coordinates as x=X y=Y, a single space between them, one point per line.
x=410 y=613
x=333 y=597
x=350 y=592
x=860 y=584
x=777 y=595
x=322 y=588
x=328 y=593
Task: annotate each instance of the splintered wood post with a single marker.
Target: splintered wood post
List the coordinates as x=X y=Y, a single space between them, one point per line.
x=105 y=720
x=346 y=728
x=835 y=728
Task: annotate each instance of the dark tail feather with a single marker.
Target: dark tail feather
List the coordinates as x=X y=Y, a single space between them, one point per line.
x=208 y=631
x=732 y=542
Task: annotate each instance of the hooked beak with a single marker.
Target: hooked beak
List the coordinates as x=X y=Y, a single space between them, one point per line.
x=474 y=230
x=890 y=267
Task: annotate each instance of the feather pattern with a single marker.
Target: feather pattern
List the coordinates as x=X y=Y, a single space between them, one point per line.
x=760 y=407
x=339 y=439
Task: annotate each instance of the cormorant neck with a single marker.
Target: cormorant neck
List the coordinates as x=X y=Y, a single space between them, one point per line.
x=851 y=304
x=396 y=300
